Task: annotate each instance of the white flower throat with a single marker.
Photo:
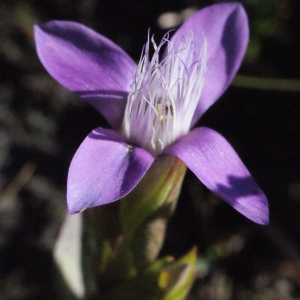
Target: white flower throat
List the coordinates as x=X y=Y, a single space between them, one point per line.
x=164 y=94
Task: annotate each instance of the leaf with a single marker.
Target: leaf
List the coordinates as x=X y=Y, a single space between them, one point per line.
x=177 y=278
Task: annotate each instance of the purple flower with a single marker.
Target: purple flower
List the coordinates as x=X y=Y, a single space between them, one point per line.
x=153 y=106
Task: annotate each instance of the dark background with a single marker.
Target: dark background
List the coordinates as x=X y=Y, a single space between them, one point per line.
x=42 y=124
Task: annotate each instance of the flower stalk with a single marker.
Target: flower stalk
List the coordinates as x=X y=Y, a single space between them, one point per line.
x=122 y=240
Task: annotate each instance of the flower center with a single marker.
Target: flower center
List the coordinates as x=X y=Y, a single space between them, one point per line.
x=164 y=94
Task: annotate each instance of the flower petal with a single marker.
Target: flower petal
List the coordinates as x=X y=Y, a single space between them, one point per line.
x=104 y=169
x=212 y=159
x=225 y=28
x=86 y=63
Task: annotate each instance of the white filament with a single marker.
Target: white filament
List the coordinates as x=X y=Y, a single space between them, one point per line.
x=164 y=94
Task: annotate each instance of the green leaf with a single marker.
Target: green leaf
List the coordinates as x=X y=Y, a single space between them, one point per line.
x=177 y=278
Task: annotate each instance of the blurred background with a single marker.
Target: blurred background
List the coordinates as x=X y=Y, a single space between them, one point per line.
x=42 y=124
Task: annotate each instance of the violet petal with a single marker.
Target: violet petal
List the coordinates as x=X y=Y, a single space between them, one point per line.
x=88 y=64
x=104 y=169
x=212 y=159
x=225 y=28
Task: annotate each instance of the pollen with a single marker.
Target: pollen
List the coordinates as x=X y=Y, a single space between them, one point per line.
x=165 y=93
x=164 y=111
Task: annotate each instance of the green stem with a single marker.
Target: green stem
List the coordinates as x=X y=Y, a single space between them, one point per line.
x=122 y=239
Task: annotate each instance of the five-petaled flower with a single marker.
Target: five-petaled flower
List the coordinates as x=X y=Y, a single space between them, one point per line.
x=153 y=107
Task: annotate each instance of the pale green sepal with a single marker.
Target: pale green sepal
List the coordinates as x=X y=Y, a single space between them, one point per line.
x=161 y=182
x=147 y=209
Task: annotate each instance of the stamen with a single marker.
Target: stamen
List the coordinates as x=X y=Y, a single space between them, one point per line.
x=164 y=94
